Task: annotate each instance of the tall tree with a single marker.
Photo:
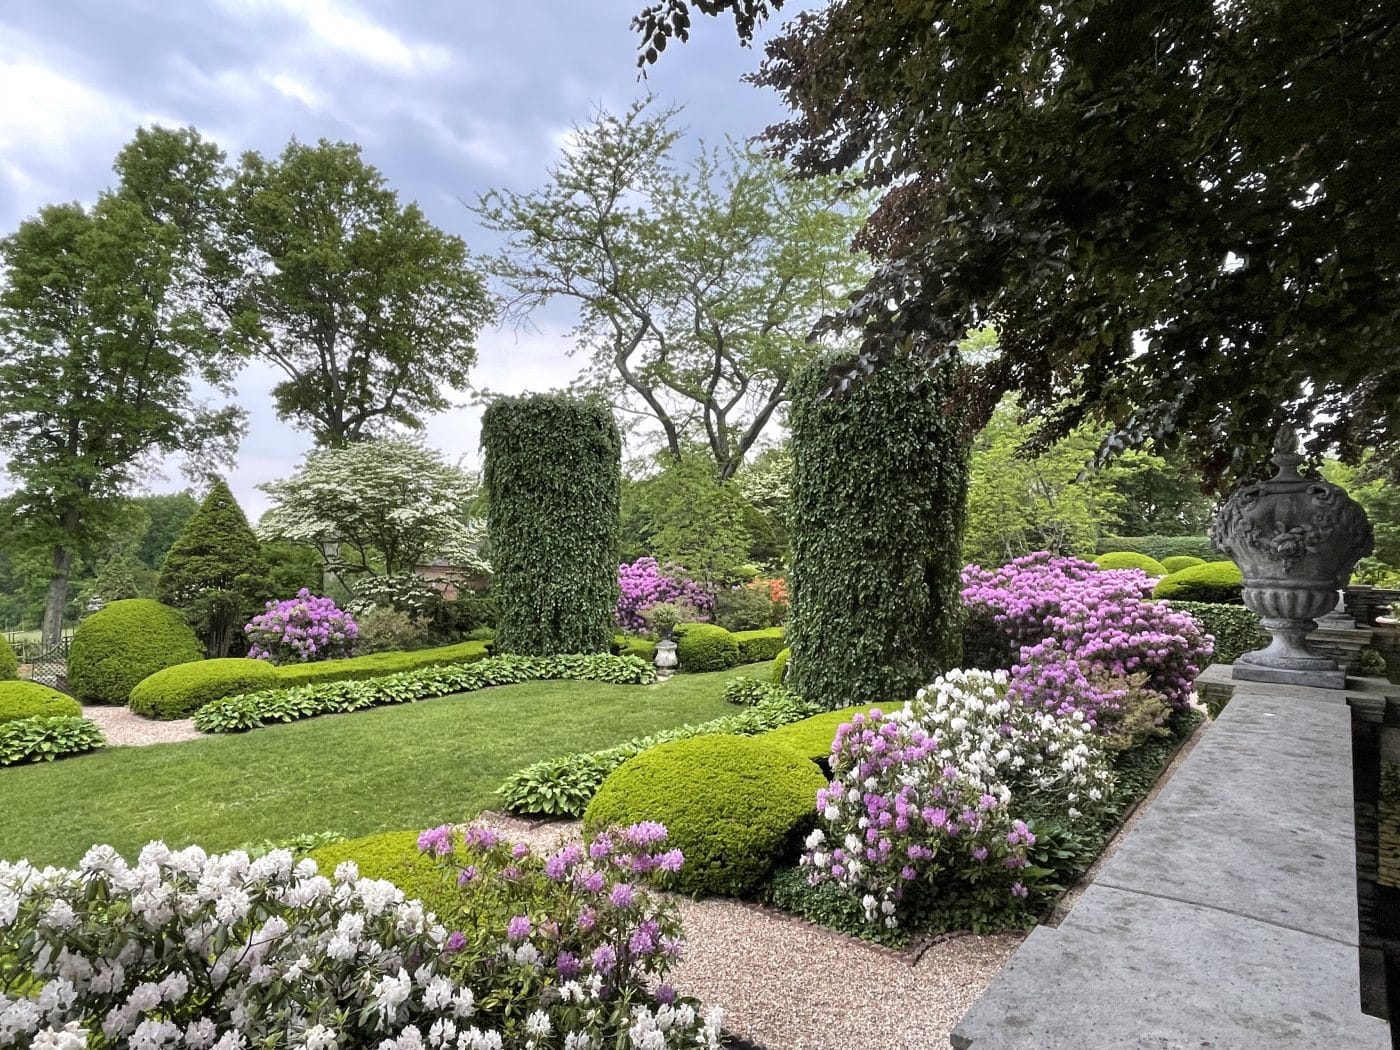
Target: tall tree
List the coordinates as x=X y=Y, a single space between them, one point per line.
x=684 y=514
x=366 y=308
x=1182 y=215
x=696 y=285
x=100 y=342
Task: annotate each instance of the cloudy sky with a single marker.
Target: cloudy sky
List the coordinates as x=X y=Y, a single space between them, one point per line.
x=449 y=98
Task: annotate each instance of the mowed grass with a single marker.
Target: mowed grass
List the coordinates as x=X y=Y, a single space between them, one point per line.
x=407 y=766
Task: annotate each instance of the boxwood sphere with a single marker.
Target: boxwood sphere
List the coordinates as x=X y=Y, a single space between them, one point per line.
x=1220 y=582
x=733 y=805
x=1177 y=562
x=1129 y=560
x=33 y=700
x=124 y=642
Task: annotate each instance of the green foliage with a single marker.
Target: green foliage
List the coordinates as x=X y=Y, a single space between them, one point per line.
x=33 y=700
x=1178 y=562
x=180 y=691
x=1218 y=581
x=735 y=806
x=813 y=736
x=562 y=787
x=1372 y=664
x=1162 y=547
x=119 y=645
x=1129 y=560
x=631 y=645
x=743 y=609
x=879 y=494
x=1236 y=630
x=384 y=630
x=755 y=646
x=300 y=845
x=394 y=856
x=118 y=579
x=685 y=515
x=1379 y=496
x=552 y=479
x=780 y=666
x=165 y=518
x=745 y=692
x=282 y=704
x=705 y=647
x=828 y=905
x=215 y=573
x=44 y=739
x=376 y=665
x=9 y=663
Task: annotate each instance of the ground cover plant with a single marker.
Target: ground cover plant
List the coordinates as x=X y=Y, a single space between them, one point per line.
x=381 y=770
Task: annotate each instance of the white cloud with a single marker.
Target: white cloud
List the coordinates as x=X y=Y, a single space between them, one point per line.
x=294 y=89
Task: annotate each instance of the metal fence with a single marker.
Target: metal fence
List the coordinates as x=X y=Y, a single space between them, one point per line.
x=47 y=664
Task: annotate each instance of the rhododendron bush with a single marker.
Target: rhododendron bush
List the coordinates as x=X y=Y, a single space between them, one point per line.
x=1074 y=634
x=646 y=582
x=937 y=796
x=300 y=630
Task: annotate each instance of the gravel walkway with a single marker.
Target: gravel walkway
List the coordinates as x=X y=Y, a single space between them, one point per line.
x=124 y=729
x=786 y=984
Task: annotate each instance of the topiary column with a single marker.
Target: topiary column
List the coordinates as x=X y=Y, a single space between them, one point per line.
x=878 y=505
x=553 y=476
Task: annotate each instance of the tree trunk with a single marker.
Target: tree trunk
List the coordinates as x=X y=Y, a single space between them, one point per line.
x=57 y=598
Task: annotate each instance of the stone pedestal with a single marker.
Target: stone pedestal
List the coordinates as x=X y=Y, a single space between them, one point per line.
x=1342 y=645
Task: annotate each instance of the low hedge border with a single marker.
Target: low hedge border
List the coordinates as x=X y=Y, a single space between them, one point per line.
x=1236 y=630
x=756 y=646
x=180 y=691
x=235 y=714
x=563 y=787
x=375 y=665
x=44 y=739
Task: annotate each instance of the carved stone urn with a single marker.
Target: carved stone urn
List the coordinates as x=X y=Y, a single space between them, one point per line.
x=1296 y=539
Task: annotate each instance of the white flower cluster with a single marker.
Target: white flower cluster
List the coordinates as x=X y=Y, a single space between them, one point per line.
x=1047 y=761
x=183 y=949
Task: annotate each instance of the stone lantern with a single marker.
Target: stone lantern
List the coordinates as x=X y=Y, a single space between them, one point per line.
x=1296 y=539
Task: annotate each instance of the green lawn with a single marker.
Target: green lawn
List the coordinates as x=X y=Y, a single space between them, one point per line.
x=393 y=767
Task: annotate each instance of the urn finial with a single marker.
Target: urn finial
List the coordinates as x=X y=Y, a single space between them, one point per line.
x=1285 y=456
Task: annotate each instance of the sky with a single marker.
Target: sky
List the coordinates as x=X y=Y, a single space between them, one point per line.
x=448 y=98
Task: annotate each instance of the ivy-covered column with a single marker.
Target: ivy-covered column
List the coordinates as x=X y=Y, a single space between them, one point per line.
x=878 y=506
x=553 y=476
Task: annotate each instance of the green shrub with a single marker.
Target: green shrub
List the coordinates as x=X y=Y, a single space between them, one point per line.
x=387 y=630
x=733 y=805
x=879 y=499
x=1130 y=560
x=394 y=856
x=124 y=642
x=1177 y=562
x=44 y=739
x=813 y=736
x=705 y=647
x=1162 y=547
x=377 y=665
x=31 y=700
x=1219 y=582
x=745 y=692
x=759 y=645
x=780 y=666
x=743 y=609
x=632 y=645
x=552 y=481
x=180 y=691
x=1236 y=630
x=1373 y=664
x=9 y=663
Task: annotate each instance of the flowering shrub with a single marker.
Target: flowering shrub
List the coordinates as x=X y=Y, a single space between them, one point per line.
x=1078 y=632
x=644 y=583
x=300 y=630
x=774 y=589
x=185 y=949
x=936 y=796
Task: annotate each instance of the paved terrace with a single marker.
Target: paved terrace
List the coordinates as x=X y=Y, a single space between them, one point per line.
x=1227 y=919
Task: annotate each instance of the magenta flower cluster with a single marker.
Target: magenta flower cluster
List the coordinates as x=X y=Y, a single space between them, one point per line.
x=1081 y=631
x=300 y=630
x=646 y=582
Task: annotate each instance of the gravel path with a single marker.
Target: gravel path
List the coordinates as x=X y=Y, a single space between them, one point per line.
x=124 y=729
x=789 y=985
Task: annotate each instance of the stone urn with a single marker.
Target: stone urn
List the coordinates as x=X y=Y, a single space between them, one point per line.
x=666 y=655
x=1296 y=540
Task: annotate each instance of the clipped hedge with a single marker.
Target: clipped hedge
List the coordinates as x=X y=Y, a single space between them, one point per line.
x=1129 y=560
x=180 y=691
x=756 y=646
x=780 y=666
x=813 y=736
x=34 y=700
x=394 y=856
x=562 y=787
x=1181 y=561
x=879 y=489
x=124 y=642
x=235 y=714
x=9 y=663
x=1218 y=582
x=44 y=739
x=376 y=665
x=735 y=806
x=705 y=647
x=1162 y=547
x=1236 y=630
x=553 y=480
x=631 y=645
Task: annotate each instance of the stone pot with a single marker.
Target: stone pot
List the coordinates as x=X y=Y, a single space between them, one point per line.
x=666 y=655
x=1296 y=539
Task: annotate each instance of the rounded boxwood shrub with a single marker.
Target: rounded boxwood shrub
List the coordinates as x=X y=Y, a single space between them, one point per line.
x=735 y=806
x=1220 y=582
x=705 y=647
x=780 y=666
x=124 y=642
x=1130 y=560
x=9 y=663
x=180 y=691
x=394 y=856
x=32 y=700
x=813 y=736
x=1181 y=561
